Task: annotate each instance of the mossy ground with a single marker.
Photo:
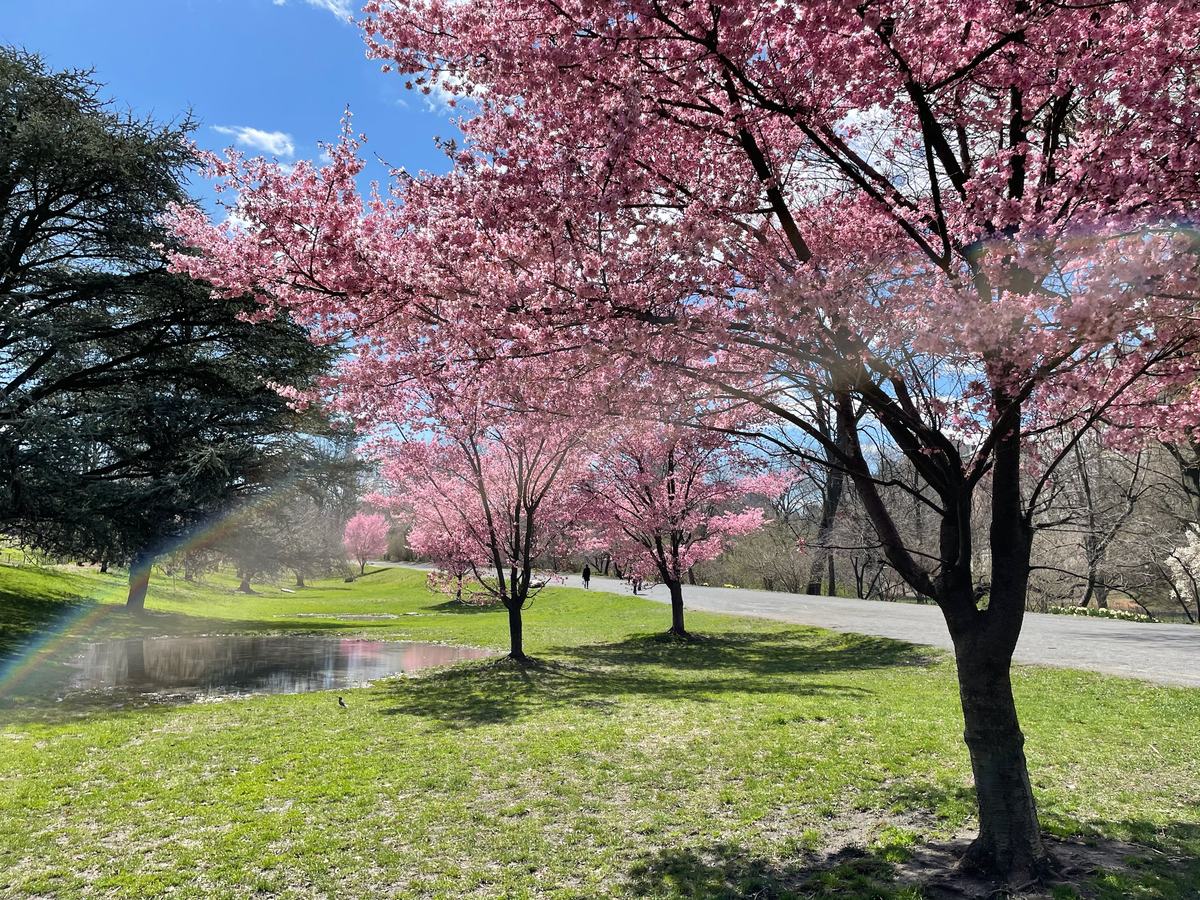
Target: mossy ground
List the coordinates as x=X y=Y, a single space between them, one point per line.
x=762 y=760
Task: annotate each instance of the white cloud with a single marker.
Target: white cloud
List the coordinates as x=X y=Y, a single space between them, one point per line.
x=340 y=8
x=441 y=97
x=235 y=220
x=276 y=143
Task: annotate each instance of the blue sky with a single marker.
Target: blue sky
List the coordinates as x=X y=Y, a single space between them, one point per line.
x=272 y=77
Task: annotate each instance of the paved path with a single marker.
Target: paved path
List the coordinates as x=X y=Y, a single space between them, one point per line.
x=1168 y=654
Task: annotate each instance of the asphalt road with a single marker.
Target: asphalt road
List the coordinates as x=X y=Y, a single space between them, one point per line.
x=1167 y=654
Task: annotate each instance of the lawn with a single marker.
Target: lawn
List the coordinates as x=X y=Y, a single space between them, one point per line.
x=764 y=760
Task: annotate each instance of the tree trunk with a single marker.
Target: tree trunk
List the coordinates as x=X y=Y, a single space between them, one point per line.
x=1010 y=838
x=830 y=501
x=824 y=560
x=814 y=571
x=139 y=581
x=104 y=566
x=1010 y=842
x=362 y=567
x=300 y=579
x=244 y=587
x=676 y=589
x=516 y=650
x=1087 y=595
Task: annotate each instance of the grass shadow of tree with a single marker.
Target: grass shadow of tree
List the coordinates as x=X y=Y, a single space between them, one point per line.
x=784 y=651
x=32 y=608
x=456 y=607
x=598 y=675
x=726 y=871
x=1094 y=867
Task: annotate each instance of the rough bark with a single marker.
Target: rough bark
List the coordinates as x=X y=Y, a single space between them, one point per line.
x=300 y=579
x=1009 y=844
x=516 y=650
x=1010 y=839
x=139 y=581
x=676 y=589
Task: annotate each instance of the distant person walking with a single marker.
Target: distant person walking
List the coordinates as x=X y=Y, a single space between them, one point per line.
x=587 y=575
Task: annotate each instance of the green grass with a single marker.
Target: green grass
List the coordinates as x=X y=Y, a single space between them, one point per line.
x=764 y=760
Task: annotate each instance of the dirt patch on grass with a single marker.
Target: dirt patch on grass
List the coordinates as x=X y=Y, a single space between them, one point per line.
x=863 y=855
x=932 y=868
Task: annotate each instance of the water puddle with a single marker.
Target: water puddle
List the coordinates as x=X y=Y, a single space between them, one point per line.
x=206 y=666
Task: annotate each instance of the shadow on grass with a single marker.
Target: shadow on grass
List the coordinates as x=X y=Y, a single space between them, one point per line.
x=954 y=802
x=788 y=651
x=454 y=606
x=726 y=871
x=34 y=602
x=598 y=675
x=723 y=871
x=1100 y=868
x=360 y=575
x=1166 y=837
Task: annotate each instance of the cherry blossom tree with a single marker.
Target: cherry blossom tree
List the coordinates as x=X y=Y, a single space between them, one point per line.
x=962 y=226
x=488 y=484
x=666 y=498
x=489 y=503
x=366 y=536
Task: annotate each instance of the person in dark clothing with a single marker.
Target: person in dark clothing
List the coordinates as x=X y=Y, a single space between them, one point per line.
x=587 y=574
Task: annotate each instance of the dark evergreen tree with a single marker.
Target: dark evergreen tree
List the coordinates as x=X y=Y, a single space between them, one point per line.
x=134 y=407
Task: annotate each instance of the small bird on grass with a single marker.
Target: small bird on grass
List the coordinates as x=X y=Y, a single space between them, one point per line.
x=342 y=703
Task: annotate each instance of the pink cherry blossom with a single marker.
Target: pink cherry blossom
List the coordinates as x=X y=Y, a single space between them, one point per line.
x=366 y=536
x=668 y=498
x=964 y=226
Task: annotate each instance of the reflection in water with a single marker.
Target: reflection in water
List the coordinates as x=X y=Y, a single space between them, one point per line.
x=233 y=665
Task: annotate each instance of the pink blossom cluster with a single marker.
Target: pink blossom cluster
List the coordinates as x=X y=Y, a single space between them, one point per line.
x=366 y=537
x=666 y=498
